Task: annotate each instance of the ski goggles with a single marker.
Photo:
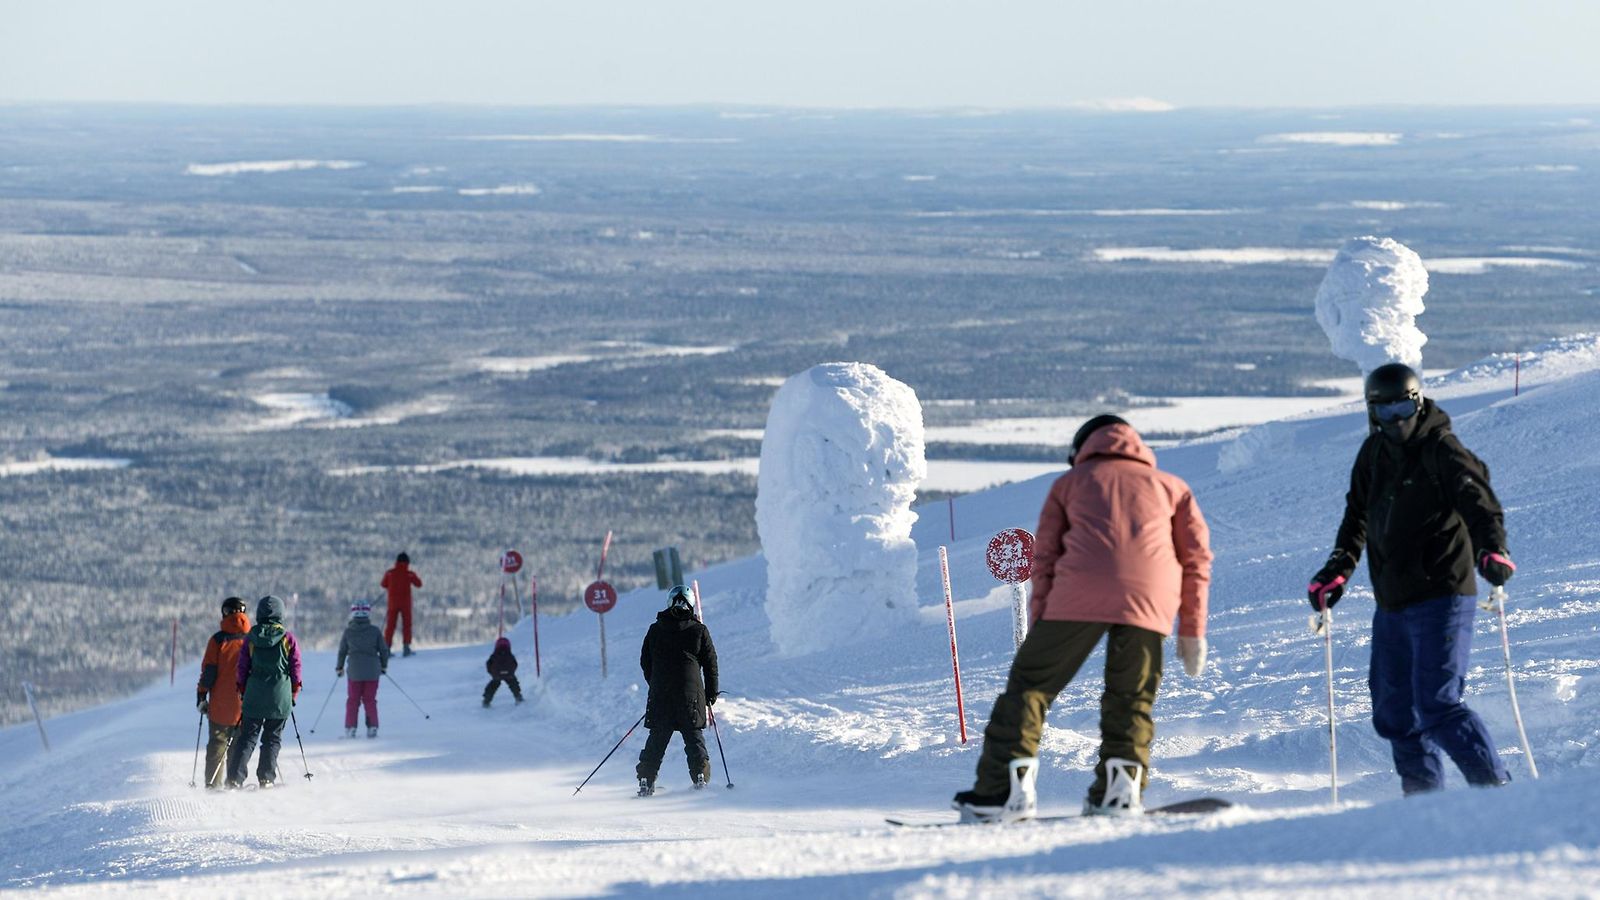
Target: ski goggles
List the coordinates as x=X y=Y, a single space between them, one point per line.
x=1395 y=410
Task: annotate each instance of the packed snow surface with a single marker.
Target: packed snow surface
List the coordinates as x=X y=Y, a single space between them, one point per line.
x=1369 y=301
x=840 y=465
x=822 y=746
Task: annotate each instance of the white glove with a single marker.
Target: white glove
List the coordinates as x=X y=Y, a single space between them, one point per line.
x=1192 y=650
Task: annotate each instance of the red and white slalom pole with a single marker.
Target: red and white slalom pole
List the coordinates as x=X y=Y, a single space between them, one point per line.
x=955 y=656
x=699 y=608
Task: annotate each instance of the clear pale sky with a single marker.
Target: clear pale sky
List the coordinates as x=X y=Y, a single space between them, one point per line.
x=836 y=53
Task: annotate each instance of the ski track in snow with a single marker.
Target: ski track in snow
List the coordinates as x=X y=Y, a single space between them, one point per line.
x=822 y=747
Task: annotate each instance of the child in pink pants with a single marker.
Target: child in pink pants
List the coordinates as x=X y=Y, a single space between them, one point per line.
x=364 y=648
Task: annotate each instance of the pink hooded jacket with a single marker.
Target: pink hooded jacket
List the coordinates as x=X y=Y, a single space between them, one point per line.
x=1122 y=542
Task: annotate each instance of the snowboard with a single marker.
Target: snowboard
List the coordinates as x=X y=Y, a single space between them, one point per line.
x=1197 y=806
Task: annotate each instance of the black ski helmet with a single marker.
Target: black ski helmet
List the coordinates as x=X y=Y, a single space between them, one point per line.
x=1394 y=401
x=1393 y=381
x=402 y=558
x=233 y=605
x=1088 y=428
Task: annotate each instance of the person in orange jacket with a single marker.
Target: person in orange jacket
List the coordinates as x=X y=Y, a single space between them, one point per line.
x=399 y=581
x=219 y=697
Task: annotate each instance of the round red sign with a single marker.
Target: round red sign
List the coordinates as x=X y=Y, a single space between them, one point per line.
x=511 y=562
x=600 y=597
x=1010 y=556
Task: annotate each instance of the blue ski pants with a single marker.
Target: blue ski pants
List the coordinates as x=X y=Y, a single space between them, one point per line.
x=1419 y=665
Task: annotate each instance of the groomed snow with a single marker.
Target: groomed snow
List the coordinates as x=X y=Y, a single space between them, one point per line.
x=821 y=747
x=269 y=166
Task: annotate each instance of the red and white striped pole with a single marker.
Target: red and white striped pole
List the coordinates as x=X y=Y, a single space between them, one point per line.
x=174 y=677
x=600 y=571
x=699 y=609
x=950 y=619
x=502 y=606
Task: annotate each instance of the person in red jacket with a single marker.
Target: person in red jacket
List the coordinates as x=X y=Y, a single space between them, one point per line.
x=1122 y=550
x=399 y=581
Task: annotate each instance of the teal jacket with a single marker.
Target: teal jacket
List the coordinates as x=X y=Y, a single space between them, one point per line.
x=269 y=665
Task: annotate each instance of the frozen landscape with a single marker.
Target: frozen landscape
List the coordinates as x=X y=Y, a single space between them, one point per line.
x=823 y=744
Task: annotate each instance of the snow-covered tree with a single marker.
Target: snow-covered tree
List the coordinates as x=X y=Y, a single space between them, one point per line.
x=1369 y=301
x=840 y=465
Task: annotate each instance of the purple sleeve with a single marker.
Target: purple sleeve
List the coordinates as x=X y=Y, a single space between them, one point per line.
x=242 y=670
x=294 y=659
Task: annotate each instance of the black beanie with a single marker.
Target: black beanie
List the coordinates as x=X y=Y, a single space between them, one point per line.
x=1088 y=428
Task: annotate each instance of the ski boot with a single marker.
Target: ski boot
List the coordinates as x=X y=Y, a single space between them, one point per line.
x=519 y=698
x=372 y=731
x=1023 y=801
x=266 y=784
x=406 y=651
x=1123 y=780
x=699 y=782
x=647 y=786
x=350 y=732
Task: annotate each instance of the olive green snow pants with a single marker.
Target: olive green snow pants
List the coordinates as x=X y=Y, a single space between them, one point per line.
x=217 y=753
x=1048 y=659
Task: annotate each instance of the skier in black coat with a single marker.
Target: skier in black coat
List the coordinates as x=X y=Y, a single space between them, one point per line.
x=1421 y=505
x=677 y=650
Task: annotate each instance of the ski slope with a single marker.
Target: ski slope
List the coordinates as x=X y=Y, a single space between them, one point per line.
x=475 y=802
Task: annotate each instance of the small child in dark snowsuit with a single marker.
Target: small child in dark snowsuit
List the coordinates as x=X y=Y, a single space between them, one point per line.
x=502 y=666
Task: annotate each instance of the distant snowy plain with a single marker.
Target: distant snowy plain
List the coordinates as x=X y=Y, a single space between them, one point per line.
x=820 y=747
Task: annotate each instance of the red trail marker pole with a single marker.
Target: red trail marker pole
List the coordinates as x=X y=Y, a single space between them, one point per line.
x=955 y=657
x=533 y=599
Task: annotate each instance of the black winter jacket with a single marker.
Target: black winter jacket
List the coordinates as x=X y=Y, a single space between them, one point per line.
x=501 y=664
x=676 y=650
x=1424 y=511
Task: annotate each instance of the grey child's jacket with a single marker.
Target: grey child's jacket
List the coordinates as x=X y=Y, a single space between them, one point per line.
x=363 y=645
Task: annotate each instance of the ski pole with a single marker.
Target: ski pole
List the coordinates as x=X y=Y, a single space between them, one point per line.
x=1497 y=596
x=331 y=689
x=717 y=733
x=406 y=695
x=1322 y=623
x=198 y=730
x=303 y=763
x=608 y=755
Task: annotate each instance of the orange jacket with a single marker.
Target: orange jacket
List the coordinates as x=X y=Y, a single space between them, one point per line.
x=399 y=581
x=1122 y=542
x=222 y=655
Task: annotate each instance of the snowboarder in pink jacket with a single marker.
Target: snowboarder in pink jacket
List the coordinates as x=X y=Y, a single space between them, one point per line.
x=1122 y=550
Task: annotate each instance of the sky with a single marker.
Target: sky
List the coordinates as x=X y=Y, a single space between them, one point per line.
x=819 y=53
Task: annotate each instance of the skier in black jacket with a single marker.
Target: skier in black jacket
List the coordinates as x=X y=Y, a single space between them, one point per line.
x=1421 y=504
x=676 y=650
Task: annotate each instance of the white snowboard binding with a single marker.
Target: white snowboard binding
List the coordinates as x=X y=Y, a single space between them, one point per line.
x=1023 y=802
x=1124 y=778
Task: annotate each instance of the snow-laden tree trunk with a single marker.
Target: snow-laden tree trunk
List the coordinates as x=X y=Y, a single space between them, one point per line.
x=840 y=465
